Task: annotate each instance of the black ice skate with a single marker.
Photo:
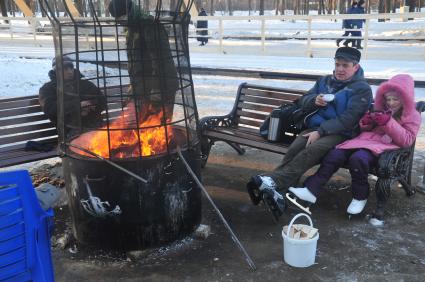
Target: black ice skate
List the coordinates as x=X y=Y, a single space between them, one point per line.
x=257 y=184
x=275 y=203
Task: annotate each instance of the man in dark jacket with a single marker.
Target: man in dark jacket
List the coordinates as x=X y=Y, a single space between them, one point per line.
x=333 y=122
x=203 y=38
x=347 y=24
x=81 y=108
x=358 y=23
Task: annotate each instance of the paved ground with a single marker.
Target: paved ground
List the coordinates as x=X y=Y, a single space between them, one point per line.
x=348 y=250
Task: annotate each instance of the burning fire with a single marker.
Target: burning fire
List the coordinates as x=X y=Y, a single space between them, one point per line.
x=125 y=137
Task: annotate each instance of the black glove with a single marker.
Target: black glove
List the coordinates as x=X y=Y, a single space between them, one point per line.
x=37 y=146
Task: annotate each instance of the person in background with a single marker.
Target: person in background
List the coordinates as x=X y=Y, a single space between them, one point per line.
x=358 y=23
x=88 y=101
x=335 y=121
x=347 y=24
x=203 y=38
x=393 y=124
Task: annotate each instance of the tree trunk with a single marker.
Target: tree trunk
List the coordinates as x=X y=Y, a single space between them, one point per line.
x=282 y=7
x=230 y=7
x=261 y=7
x=277 y=2
x=212 y=10
x=3 y=8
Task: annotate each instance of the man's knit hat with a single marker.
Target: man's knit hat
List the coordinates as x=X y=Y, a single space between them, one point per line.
x=66 y=62
x=348 y=53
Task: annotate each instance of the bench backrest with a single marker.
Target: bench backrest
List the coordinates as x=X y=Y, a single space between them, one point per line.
x=255 y=102
x=21 y=119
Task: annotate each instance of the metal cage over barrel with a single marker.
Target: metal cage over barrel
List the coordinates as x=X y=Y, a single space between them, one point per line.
x=125 y=95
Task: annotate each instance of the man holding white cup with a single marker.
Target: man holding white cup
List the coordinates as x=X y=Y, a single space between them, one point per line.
x=336 y=120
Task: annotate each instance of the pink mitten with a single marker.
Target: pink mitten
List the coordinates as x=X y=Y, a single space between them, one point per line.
x=381 y=118
x=386 y=139
x=367 y=119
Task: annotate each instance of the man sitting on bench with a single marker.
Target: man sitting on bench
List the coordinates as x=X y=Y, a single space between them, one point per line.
x=89 y=101
x=335 y=121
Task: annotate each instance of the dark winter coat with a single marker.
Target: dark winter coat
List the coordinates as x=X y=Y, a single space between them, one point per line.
x=353 y=98
x=357 y=23
x=202 y=24
x=48 y=100
x=151 y=67
x=348 y=23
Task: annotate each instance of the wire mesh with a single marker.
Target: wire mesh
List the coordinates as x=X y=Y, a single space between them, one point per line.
x=124 y=82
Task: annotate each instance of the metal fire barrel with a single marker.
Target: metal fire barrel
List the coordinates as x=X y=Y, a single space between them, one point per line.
x=124 y=90
x=112 y=210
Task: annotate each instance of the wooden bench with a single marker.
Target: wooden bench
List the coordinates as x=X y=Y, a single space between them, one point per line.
x=255 y=102
x=22 y=120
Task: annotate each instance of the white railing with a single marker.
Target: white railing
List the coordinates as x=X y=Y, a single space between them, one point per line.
x=314 y=28
x=307 y=30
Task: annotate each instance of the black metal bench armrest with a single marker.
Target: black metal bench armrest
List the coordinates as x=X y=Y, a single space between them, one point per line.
x=211 y=122
x=394 y=163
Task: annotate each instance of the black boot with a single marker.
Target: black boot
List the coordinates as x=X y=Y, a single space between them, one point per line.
x=338 y=41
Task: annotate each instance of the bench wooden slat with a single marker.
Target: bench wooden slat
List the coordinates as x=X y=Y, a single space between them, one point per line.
x=255 y=107
x=258 y=116
x=261 y=89
x=272 y=94
x=20 y=111
x=21 y=120
x=259 y=100
x=250 y=122
x=4 y=151
x=259 y=144
x=28 y=136
x=25 y=128
x=20 y=102
x=28 y=157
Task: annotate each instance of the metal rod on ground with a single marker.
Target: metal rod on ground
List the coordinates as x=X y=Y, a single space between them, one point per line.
x=235 y=239
x=109 y=162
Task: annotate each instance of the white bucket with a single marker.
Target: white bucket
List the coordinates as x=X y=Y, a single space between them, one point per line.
x=299 y=252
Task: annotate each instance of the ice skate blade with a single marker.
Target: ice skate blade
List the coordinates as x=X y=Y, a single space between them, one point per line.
x=294 y=201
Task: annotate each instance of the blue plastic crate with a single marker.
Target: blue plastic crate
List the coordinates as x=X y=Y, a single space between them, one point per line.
x=25 y=230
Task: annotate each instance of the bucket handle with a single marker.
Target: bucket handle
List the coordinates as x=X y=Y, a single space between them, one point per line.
x=296 y=217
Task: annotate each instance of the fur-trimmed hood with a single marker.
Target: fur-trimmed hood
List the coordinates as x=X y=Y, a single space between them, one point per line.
x=402 y=84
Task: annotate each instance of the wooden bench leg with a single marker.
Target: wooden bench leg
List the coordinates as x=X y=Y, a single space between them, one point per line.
x=237 y=148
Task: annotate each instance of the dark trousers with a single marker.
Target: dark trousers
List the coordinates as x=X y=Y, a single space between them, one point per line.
x=346 y=33
x=354 y=42
x=300 y=158
x=360 y=161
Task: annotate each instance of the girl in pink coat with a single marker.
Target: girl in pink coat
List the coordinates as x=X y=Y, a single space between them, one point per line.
x=393 y=124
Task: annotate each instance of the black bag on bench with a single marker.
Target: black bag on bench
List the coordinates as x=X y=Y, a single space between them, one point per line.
x=292 y=119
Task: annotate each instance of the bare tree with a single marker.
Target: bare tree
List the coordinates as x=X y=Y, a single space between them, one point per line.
x=3 y=8
x=230 y=7
x=212 y=10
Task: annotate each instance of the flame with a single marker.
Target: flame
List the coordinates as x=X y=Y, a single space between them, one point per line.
x=125 y=136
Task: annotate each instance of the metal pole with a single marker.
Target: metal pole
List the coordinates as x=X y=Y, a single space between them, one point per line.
x=108 y=162
x=235 y=239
